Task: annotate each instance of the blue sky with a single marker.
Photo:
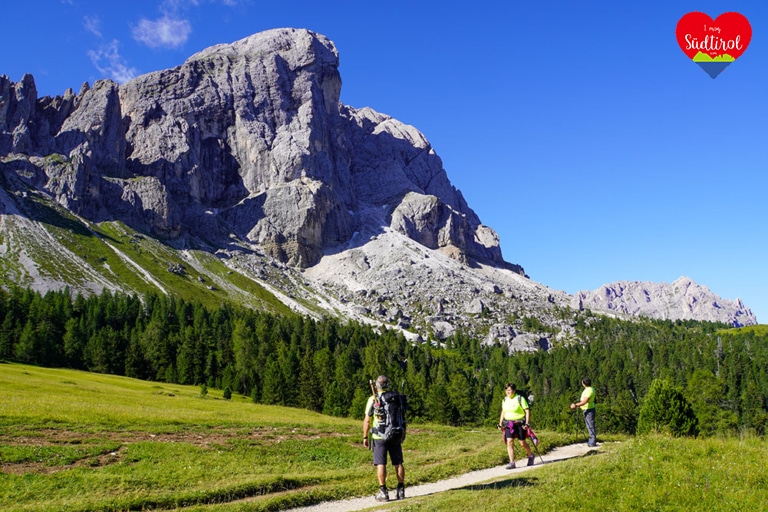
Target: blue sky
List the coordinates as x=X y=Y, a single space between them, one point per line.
x=579 y=131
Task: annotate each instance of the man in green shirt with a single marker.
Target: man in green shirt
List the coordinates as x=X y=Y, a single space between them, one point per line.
x=587 y=405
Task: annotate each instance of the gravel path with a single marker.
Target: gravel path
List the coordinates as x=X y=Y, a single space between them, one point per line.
x=471 y=478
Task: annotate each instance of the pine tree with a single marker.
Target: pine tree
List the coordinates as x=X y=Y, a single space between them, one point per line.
x=6 y=337
x=706 y=393
x=666 y=410
x=245 y=348
x=310 y=395
x=334 y=400
x=272 y=389
x=359 y=400
x=460 y=395
x=26 y=350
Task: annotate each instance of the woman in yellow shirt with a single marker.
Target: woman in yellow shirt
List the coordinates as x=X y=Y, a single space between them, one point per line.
x=515 y=416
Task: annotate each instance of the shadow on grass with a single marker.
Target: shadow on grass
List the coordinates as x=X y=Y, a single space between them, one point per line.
x=501 y=484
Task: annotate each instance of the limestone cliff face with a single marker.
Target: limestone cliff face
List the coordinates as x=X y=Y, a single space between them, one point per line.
x=247 y=139
x=683 y=299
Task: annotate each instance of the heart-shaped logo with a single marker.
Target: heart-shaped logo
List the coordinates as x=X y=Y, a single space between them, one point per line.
x=713 y=44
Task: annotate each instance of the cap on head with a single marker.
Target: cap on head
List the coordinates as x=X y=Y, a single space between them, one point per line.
x=382 y=382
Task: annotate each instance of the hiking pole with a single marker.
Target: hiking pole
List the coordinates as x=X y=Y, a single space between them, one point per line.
x=536 y=449
x=403 y=406
x=534 y=441
x=375 y=405
x=580 y=427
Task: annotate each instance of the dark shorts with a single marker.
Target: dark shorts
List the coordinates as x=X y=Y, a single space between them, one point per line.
x=514 y=429
x=381 y=448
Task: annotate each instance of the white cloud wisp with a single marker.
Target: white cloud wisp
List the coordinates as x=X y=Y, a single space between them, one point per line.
x=110 y=63
x=93 y=25
x=162 y=33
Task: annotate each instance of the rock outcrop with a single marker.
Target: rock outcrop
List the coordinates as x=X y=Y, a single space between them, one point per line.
x=683 y=299
x=246 y=138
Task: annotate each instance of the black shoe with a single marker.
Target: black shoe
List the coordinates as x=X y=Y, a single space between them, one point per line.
x=400 y=493
x=383 y=495
x=531 y=460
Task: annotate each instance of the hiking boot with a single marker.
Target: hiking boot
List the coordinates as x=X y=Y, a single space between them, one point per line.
x=400 y=493
x=383 y=495
x=511 y=465
x=531 y=460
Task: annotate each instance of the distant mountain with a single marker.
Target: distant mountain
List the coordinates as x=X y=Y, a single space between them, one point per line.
x=239 y=176
x=683 y=299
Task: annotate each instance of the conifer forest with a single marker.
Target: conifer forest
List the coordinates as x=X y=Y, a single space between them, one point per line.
x=325 y=365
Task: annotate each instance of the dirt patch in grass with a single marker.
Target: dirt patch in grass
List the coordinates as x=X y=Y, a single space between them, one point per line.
x=120 y=441
x=50 y=460
x=50 y=465
x=56 y=437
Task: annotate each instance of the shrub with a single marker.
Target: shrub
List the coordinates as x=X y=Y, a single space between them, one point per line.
x=665 y=410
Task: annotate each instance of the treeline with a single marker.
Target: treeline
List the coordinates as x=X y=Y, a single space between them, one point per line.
x=325 y=365
x=722 y=373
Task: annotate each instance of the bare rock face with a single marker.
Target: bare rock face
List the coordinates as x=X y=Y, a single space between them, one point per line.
x=247 y=134
x=247 y=138
x=395 y=166
x=683 y=299
x=514 y=341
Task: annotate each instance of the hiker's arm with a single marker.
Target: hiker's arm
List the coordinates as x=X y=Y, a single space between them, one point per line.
x=579 y=404
x=501 y=418
x=366 y=426
x=527 y=416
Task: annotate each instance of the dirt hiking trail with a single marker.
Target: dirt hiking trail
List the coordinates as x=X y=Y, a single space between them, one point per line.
x=471 y=478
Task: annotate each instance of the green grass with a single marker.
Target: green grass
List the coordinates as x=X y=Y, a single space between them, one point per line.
x=650 y=473
x=82 y=441
x=248 y=286
x=122 y=258
x=759 y=330
x=72 y=440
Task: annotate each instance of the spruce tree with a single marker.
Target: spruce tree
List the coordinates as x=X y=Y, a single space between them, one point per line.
x=272 y=391
x=665 y=410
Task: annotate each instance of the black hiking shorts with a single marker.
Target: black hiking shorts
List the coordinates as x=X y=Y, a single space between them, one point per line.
x=514 y=429
x=381 y=448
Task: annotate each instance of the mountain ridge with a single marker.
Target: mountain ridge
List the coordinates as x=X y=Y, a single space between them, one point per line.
x=683 y=299
x=240 y=175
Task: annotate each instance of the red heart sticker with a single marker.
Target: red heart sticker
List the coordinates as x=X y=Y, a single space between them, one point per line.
x=713 y=44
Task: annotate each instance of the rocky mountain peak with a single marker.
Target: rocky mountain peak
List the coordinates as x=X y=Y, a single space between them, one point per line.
x=246 y=138
x=683 y=299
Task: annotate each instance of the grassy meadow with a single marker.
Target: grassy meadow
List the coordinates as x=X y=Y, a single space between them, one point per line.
x=72 y=440
x=641 y=474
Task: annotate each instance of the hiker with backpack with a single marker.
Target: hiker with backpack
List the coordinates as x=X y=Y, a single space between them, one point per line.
x=385 y=421
x=515 y=417
x=587 y=405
